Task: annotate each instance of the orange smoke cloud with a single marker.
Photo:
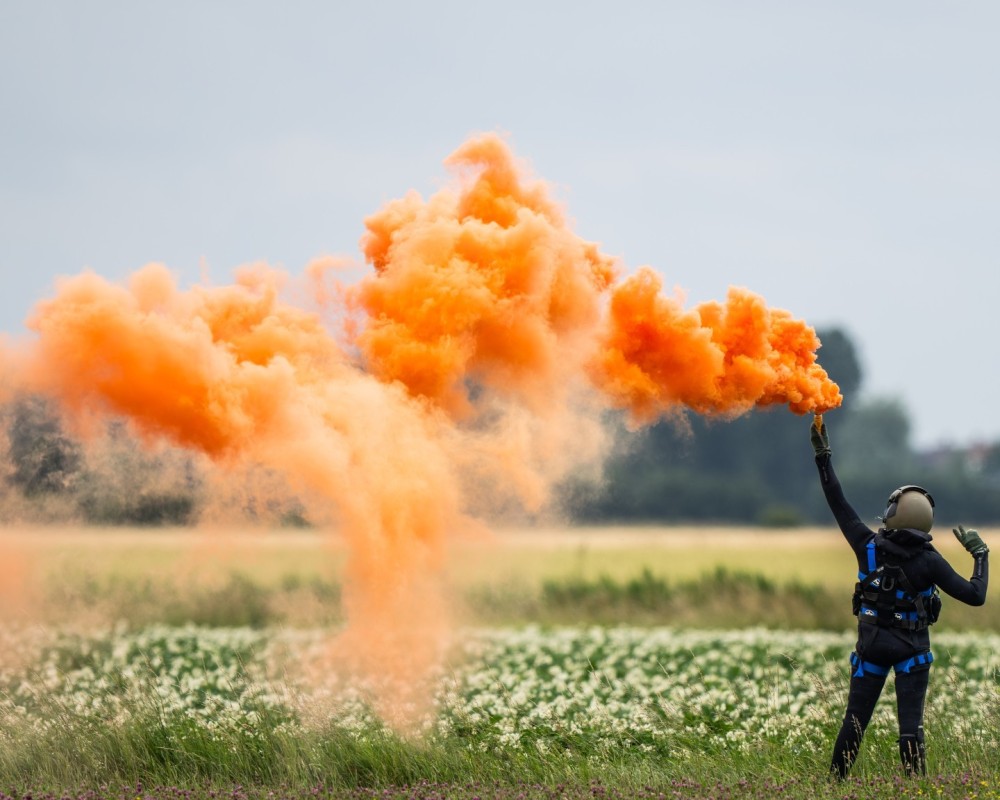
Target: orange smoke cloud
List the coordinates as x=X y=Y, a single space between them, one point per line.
x=235 y=373
x=486 y=288
x=490 y=288
x=715 y=359
x=490 y=339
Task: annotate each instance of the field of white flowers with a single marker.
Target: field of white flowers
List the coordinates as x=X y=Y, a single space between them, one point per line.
x=145 y=700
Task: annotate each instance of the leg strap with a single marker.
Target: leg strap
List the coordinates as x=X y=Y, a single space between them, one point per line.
x=862 y=668
x=912 y=664
x=916 y=663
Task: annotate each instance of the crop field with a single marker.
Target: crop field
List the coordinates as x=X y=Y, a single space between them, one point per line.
x=174 y=664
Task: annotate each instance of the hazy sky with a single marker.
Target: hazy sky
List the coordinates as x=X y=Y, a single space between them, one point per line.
x=841 y=159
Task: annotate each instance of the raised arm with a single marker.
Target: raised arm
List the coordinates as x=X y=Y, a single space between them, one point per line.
x=854 y=530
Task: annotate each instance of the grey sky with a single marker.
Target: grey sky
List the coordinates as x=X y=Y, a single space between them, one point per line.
x=841 y=159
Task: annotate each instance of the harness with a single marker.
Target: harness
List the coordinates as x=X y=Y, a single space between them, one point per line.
x=884 y=596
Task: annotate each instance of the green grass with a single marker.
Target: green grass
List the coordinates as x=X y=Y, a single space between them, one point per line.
x=168 y=706
x=721 y=598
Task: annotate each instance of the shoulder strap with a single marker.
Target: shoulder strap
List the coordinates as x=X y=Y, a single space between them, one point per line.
x=870 y=549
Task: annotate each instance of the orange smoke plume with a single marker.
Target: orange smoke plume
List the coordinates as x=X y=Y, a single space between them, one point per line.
x=490 y=288
x=490 y=338
x=235 y=373
x=715 y=359
x=486 y=288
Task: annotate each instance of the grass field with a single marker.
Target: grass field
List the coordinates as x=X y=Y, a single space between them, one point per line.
x=808 y=555
x=529 y=555
x=584 y=663
x=717 y=577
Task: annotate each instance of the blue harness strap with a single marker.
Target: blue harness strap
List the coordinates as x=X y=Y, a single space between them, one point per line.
x=924 y=659
x=866 y=667
x=862 y=668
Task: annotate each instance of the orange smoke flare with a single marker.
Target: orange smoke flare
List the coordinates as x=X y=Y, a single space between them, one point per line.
x=492 y=338
x=715 y=359
x=244 y=378
x=490 y=288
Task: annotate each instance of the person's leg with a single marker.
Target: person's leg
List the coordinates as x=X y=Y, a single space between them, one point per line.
x=861 y=699
x=911 y=690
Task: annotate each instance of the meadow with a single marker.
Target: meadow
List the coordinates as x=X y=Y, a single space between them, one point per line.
x=609 y=662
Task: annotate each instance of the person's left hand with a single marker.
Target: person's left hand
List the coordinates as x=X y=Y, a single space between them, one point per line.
x=970 y=540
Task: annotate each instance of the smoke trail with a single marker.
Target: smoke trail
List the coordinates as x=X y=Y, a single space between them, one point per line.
x=488 y=288
x=486 y=305
x=718 y=358
x=240 y=376
x=487 y=340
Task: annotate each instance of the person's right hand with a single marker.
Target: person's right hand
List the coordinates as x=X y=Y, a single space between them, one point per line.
x=819 y=438
x=970 y=540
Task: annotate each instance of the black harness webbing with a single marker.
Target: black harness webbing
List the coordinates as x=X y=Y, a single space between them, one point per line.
x=884 y=596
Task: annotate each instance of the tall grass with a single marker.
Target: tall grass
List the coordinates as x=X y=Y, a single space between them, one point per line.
x=723 y=598
x=80 y=752
x=629 y=710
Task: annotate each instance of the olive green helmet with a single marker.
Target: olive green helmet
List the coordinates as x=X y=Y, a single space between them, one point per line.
x=909 y=507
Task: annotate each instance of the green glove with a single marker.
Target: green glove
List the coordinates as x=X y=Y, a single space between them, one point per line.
x=970 y=540
x=820 y=440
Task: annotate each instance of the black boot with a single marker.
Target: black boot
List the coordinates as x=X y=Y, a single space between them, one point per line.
x=913 y=753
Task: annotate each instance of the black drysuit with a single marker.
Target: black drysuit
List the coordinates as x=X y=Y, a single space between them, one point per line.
x=881 y=648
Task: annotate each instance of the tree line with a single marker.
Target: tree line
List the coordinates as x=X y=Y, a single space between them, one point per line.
x=757 y=469
x=47 y=475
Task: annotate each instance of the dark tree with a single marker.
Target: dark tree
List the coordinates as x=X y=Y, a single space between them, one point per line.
x=43 y=459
